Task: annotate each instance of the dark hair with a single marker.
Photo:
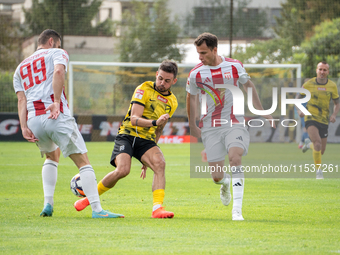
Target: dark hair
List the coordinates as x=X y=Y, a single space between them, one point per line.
x=47 y=34
x=324 y=62
x=169 y=67
x=209 y=39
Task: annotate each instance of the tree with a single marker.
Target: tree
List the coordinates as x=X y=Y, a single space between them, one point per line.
x=148 y=35
x=67 y=17
x=323 y=45
x=298 y=17
x=9 y=44
x=214 y=17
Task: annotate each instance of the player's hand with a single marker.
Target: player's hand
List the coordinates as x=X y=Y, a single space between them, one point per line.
x=272 y=122
x=163 y=119
x=300 y=113
x=143 y=173
x=54 y=109
x=195 y=131
x=28 y=135
x=332 y=118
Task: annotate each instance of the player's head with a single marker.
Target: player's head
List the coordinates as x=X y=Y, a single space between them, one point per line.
x=322 y=70
x=50 y=38
x=206 y=46
x=166 y=76
x=209 y=39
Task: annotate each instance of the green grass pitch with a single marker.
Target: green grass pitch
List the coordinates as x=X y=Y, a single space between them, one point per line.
x=282 y=216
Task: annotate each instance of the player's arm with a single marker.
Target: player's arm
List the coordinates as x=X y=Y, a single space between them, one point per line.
x=137 y=120
x=335 y=110
x=192 y=115
x=256 y=100
x=57 y=85
x=22 y=112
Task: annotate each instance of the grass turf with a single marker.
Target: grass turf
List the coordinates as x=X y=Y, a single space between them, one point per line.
x=282 y=216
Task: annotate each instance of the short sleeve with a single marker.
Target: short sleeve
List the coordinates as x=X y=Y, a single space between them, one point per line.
x=242 y=74
x=191 y=85
x=139 y=96
x=17 y=81
x=60 y=57
x=335 y=94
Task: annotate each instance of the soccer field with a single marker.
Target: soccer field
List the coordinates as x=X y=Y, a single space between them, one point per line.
x=282 y=216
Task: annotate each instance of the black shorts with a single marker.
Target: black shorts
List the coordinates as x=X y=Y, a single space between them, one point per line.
x=132 y=145
x=323 y=128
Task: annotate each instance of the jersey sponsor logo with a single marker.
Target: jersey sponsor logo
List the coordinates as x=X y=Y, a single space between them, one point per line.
x=162 y=99
x=216 y=73
x=239 y=138
x=227 y=75
x=139 y=93
x=122 y=147
x=324 y=89
x=207 y=80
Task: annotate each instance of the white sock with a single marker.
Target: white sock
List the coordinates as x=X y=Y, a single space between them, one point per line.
x=89 y=182
x=225 y=180
x=238 y=187
x=49 y=178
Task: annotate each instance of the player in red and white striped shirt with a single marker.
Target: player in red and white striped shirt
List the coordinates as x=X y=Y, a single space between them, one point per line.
x=222 y=132
x=45 y=119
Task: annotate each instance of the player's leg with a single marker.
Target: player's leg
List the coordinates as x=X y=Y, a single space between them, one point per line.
x=121 y=159
x=235 y=161
x=220 y=177
x=49 y=178
x=237 y=143
x=154 y=159
x=316 y=146
x=65 y=133
x=215 y=153
x=50 y=167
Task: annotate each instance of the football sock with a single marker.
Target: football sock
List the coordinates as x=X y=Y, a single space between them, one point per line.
x=238 y=186
x=49 y=178
x=101 y=188
x=158 y=198
x=224 y=180
x=89 y=182
x=317 y=159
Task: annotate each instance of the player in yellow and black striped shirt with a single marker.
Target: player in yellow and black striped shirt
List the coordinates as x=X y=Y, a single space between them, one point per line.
x=151 y=106
x=322 y=91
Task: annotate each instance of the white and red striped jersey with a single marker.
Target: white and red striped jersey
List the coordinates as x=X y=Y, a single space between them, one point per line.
x=34 y=76
x=219 y=101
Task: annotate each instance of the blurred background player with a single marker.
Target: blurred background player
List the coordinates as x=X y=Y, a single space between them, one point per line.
x=151 y=106
x=322 y=91
x=220 y=140
x=45 y=119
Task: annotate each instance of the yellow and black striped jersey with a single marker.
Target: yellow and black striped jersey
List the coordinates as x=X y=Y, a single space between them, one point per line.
x=155 y=104
x=321 y=96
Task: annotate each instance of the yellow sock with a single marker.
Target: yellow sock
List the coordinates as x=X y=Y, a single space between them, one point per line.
x=317 y=158
x=158 y=198
x=101 y=188
x=311 y=146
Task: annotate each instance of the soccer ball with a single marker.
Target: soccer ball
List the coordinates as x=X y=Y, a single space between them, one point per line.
x=76 y=186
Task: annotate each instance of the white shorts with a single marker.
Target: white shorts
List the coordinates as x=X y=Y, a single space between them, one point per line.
x=62 y=132
x=218 y=141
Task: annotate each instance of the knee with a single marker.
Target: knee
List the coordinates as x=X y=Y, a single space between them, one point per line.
x=159 y=166
x=235 y=160
x=317 y=145
x=123 y=170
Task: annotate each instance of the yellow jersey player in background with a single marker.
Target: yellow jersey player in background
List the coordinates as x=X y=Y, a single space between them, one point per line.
x=322 y=91
x=151 y=106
